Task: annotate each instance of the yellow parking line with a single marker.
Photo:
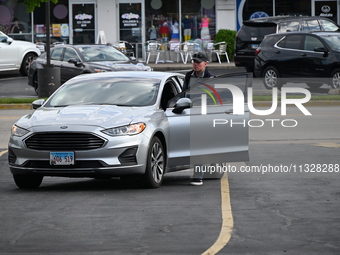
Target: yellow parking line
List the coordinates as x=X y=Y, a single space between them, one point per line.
x=227 y=219
x=2 y=153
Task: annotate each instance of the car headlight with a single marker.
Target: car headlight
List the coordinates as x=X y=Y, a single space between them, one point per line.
x=18 y=131
x=131 y=129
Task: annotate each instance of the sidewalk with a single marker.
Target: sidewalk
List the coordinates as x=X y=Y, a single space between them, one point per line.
x=180 y=66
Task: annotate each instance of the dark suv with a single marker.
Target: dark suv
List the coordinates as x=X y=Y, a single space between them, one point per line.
x=253 y=31
x=302 y=57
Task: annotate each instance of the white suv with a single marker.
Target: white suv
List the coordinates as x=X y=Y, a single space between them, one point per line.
x=16 y=55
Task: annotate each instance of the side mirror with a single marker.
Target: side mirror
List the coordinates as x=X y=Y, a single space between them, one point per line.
x=9 y=40
x=322 y=49
x=181 y=104
x=37 y=103
x=74 y=61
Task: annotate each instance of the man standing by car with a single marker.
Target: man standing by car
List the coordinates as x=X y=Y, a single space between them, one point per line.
x=200 y=70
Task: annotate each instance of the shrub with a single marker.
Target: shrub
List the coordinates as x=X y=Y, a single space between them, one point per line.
x=226 y=35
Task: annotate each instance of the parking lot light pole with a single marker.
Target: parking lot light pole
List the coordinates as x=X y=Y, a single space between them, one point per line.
x=48 y=76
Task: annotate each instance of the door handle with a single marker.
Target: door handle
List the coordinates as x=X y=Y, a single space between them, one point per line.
x=303 y=54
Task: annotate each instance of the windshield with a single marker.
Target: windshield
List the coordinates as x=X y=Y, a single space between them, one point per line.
x=106 y=53
x=112 y=91
x=333 y=41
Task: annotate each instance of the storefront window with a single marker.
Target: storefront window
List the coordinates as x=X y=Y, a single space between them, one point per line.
x=164 y=22
x=59 y=23
x=293 y=8
x=15 y=21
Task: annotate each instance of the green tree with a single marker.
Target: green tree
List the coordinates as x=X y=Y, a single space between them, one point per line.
x=32 y=4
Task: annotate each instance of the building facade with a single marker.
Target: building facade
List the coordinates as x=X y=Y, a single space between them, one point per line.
x=137 y=21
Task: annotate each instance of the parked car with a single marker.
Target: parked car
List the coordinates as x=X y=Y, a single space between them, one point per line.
x=253 y=31
x=80 y=59
x=123 y=124
x=314 y=57
x=16 y=54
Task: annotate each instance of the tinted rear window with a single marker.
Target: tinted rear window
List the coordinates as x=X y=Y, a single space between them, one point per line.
x=257 y=30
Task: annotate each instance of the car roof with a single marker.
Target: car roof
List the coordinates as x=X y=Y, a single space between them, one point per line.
x=129 y=74
x=305 y=32
x=82 y=45
x=278 y=19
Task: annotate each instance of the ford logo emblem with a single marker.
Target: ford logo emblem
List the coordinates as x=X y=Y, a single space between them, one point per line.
x=64 y=127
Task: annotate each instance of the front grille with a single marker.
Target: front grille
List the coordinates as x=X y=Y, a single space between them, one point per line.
x=64 y=141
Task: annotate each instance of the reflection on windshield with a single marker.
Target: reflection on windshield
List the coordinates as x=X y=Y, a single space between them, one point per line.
x=91 y=54
x=117 y=91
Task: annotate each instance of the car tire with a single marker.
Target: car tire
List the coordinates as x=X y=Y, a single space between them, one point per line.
x=155 y=165
x=271 y=78
x=335 y=79
x=28 y=59
x=27 y=181
x=35 y=83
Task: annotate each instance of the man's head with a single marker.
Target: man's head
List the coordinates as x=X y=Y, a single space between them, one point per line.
x=199 y=61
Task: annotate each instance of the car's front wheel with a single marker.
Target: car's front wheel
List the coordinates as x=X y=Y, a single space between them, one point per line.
x=24 y=181
x=335 y=79
x=25 y=65
x=271 y=78
x=154 y=173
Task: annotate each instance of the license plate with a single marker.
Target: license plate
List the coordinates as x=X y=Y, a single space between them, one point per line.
x=255 y=46
x=61 y=158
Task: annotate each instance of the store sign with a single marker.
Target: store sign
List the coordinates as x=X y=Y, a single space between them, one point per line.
x=327 y=9
x=130 y=20
x=83 y=21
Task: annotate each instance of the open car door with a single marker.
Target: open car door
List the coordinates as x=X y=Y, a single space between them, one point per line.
x=204 y=128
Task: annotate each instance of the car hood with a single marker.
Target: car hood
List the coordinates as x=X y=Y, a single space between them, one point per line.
x=105 y=116
x=121 y=66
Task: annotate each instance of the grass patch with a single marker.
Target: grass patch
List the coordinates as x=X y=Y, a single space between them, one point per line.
x=17 y=100
x=255 y=99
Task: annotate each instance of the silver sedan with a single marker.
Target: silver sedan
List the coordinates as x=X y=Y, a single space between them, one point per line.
x=127 y=124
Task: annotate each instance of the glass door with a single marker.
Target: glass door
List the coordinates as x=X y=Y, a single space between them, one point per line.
x=83 y=23
x=131 y=25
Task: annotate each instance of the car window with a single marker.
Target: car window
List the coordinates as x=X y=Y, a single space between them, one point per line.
x=291 y=42
x=311 y=43
x=328 y=25
x=214 y=89
x=169 y=92
x=70 y=53
x=333 y=41
x=311 y=25
x=289 y=26
x=108 y=53
x=119 y=91
x=3 y=39
x=257 y=30
x=56 y=53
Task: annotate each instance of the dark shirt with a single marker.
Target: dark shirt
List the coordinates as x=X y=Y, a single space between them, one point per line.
x=191 y=74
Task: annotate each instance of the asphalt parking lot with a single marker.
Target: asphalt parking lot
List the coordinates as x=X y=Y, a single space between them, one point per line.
x=261 y=212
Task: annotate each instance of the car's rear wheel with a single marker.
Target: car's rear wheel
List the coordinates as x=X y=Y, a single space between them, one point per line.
x=335 y=79
x=25 y=65
x=35 y=83
x=154 y=173
x=24 y=181
x=271 y=78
